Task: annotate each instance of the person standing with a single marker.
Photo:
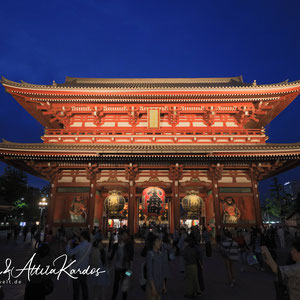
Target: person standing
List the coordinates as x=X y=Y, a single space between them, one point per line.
x=62 y=233
x=256 y=244
x=35 y=287
x=25 y=231
x=98 y=259
x=98 y=235
x=229 y=249
x=271 y=244
x=200 y=267
x=191 y=259
x=181 y=245
x=32 y=231
x=124 y=251
x=37 y=237
x=155 y=271
x=16 y=231
x=81 y=253
x=247 y=237
x=280 y=233
x=243 y=250
x=167 y=253
x=206 y=238
x=291 y=273
x=110 y=240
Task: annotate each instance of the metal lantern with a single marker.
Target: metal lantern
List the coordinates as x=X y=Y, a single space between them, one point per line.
x=115 y=202
x=153 y=201
x=192 y=202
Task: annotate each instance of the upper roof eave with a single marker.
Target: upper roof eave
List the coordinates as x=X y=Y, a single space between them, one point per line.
x=178 y=84
x=158 y=148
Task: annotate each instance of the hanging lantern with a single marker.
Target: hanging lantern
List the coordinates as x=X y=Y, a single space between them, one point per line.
x=153 y=201
x=192 y=202
x=115 y=202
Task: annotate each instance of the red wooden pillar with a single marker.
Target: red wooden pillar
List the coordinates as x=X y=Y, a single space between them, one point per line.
x=256 y=203
x=91 y=174
x=131 y=172
x=132 y=208
x=215 y=174
x=51 y=207
x=136 y=213
x=176 y=204
x=171 y=215
x=100 y=208
x=175 y=175
x=91 y=204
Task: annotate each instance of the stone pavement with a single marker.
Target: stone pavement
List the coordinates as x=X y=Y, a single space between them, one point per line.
x=252 y=284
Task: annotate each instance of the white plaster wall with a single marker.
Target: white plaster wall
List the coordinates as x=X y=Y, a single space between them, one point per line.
x=81 y=179
x=183 y=124
x=108 y=124
x=65 y=179
x=76 y=124
x=242 y=180
x=199 y=124
x=123 y=124
x=231 y=124
x=218 y=124
x=90 y=124
x=226 y=180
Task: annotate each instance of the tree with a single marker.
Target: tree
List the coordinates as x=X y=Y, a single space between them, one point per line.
x=45 y=191
x=280 y=202
x=32 y=198
x=13 y=184
x=272 y=207
x=15 y=190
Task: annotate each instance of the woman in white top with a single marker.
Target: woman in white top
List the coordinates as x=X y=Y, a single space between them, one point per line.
x=290 y=273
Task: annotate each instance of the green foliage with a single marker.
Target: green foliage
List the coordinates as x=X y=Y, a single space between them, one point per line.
x=280 y=203
x=272 y=207
x=19 y=204
x=15 y=190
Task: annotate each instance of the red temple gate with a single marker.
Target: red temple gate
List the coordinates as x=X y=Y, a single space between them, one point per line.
x=201 y=134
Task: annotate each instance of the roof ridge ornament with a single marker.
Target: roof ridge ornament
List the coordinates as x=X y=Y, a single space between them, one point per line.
x=254 y=83
x=4 y=141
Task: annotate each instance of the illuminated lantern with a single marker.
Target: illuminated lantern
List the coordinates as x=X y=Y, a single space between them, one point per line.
x=192 y=202
x=153 y=201
x=115 y=202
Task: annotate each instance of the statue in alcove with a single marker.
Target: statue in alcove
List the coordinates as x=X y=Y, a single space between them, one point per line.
x=231 y=213
x=78 y=210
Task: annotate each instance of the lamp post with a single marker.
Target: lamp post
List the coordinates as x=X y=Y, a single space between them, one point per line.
x=42 y=205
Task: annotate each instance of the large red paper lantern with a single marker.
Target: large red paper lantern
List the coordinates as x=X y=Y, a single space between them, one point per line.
x=153 y=201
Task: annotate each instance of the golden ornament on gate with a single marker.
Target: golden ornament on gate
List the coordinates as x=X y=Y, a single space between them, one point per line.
x=115 y=202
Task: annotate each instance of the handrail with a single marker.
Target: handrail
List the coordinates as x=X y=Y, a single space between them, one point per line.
x=138 y=131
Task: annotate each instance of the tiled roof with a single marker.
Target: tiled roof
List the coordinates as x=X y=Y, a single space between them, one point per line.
x=153 y=83
x=150 y=83
x=154 y=148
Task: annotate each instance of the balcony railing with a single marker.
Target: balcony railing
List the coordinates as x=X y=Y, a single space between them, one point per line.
x=156 y=132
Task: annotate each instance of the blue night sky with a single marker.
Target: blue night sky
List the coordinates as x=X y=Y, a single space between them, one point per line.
x=42 y=41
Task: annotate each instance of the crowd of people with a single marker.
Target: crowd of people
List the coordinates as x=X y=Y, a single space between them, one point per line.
x=188 y=247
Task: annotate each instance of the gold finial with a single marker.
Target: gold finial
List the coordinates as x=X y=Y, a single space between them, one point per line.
x=254 y=83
